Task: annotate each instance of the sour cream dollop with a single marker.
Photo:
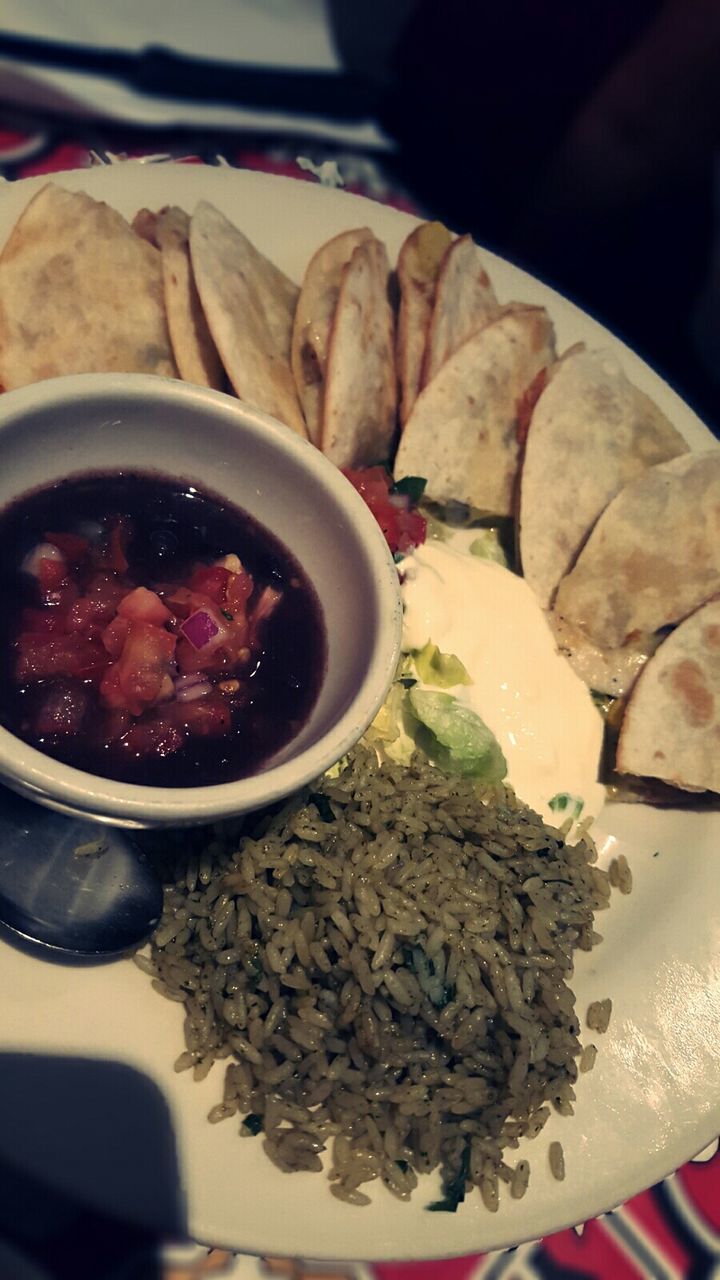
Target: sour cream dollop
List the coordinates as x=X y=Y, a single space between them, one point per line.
x=541 y=713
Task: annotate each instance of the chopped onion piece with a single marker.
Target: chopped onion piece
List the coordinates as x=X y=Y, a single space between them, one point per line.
x=268 y=602
x=191 y=692
x=200 y=628
x=231 y=562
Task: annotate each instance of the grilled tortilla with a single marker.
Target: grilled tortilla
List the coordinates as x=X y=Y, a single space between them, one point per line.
x=652 y=557
x=360 y=401
x=79 y=293
x=314 y=317
x=671 y=727
x=464 y=301
x=195 y=352
x=462 y=432
x=249 y=306
x=591 y=433
x=417 y=269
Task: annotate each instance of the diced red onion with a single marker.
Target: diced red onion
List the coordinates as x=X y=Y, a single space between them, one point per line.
x=200 y=628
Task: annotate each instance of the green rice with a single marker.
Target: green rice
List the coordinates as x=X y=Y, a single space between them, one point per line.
x=383 y=965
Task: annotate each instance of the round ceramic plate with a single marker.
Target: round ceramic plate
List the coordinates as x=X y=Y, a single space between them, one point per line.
x=652 y=1101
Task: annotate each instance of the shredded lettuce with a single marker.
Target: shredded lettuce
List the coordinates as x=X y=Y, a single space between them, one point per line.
x=389 y=732
x=441 y=670
x=487 y=546
x=454 y=737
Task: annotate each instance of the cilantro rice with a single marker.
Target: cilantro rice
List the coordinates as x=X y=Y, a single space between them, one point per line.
x=384 y=965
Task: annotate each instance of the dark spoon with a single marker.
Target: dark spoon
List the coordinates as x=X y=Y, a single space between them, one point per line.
x=71 y=886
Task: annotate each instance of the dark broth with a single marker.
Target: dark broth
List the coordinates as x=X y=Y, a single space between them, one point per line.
x=173 y=529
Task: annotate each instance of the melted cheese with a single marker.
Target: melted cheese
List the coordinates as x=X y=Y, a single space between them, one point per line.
x=540 y=712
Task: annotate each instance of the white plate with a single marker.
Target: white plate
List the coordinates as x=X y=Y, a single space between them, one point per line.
x=652 y=1101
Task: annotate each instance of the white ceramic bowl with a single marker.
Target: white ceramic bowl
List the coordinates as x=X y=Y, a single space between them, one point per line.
x=99 y=422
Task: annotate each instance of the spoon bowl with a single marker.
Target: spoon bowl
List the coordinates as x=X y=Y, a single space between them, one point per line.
x=70 y=887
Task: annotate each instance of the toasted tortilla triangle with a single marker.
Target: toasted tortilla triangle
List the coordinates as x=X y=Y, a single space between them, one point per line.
x=671 y=727
x=417 y=270
x=462 y=433
x=79 y=293
x=652 y=557
x=314 y=316
x=591 y=432
x=195 y=352
x=464 y=301
x=249 y=307
x=611 y=671
x=360 y=401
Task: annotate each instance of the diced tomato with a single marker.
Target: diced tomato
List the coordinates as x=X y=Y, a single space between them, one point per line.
x=208 y=717
x=41 y=656
x=51 y=574
x=136 y=680
x=239 y=590
x=403 y=528
x=142 y=605
x=73 y=547
x=211 y=581
x=115 y=635
x=63 y=710
x=91 y=612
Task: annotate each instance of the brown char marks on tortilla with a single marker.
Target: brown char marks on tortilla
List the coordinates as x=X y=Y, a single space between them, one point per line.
x=464 y=301
x=671 y=728
x=590 y=433
x=462 y=433
x=652 y=557
x=360 y=401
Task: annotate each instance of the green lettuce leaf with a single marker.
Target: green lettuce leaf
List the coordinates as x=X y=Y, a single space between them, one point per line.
x=455 y=737
x=442 y=670
x=487 y=546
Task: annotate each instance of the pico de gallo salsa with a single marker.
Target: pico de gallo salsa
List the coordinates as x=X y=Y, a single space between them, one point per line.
x=152 y=633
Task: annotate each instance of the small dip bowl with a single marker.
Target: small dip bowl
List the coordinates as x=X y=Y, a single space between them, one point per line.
x=100 y=423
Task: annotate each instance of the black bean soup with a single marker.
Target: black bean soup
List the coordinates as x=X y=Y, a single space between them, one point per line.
x=152 y=633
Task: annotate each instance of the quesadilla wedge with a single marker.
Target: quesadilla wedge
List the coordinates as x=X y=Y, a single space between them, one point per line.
x=195 y=352
x=591 y=432
x=608 y=671
x=671 y=727
x=653 y=555
x=417 y=271
x=249 y=307
x=464 y=301
x=462 y=433
x=360 y=400
x=80 y=292
x=314 y=316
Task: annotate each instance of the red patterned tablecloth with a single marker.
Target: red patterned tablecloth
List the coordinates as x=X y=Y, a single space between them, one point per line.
x=671 y=1231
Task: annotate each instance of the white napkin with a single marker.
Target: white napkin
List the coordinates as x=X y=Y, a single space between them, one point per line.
x=284 y=34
